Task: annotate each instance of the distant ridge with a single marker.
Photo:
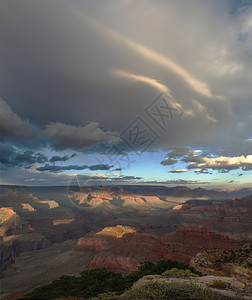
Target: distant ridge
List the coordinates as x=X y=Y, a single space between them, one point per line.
x=147 y=190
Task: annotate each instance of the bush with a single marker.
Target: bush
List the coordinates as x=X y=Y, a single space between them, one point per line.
x=174 y=272
x=219 y=284
x=172 y=290
x=150 y=268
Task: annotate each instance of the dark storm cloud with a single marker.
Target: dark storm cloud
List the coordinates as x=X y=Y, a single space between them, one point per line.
x=178 y=152
x=68 y=60
x=68 y=136
x=11 y=125
x=61 y=158
x=10 y=156
x=53 y=168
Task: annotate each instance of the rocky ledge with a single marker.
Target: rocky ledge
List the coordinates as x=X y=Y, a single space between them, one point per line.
x=234 y=289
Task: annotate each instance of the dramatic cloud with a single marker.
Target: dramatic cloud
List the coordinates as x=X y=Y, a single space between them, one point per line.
x=53 y=168
x=151 y=55
x=11 y=126
x=91 y=68
x=69 y=136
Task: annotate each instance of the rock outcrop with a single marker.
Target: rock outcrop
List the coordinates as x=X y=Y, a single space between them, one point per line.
x=9 y=219
x=117 y=231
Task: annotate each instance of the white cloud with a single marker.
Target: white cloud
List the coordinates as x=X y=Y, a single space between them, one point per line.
x=223 y=163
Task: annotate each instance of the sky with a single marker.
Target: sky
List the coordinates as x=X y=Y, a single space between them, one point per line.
x=126 y=92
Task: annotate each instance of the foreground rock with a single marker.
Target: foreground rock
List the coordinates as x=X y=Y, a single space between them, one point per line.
x=236 y=264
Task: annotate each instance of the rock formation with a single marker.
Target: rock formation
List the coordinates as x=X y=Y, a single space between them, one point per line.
x=134 y=247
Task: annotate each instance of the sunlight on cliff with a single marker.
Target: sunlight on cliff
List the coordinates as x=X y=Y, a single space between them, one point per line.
x=177 y=207
x=117 y=231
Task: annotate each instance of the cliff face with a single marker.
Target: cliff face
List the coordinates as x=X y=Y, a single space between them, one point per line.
x=126 y=252
x=15 y=245
x=186 y=243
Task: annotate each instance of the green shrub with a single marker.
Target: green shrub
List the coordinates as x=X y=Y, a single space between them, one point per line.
x=174 y=272
x=219 y=284
x=173 y=290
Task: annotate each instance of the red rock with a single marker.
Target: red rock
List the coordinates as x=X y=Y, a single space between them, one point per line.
x=115 y=263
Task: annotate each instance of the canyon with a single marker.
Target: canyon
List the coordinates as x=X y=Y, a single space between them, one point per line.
x=114 y=227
